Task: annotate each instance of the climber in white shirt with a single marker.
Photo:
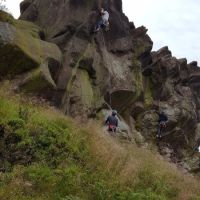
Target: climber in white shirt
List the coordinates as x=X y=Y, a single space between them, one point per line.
x=103 y=22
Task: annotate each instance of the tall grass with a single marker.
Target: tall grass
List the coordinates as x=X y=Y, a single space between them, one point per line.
x=48 y=156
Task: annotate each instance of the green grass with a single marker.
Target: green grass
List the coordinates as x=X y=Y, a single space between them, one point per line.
x=47 y=156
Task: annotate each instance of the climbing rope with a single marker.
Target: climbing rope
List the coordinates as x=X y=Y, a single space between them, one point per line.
x=109 y=76
x=66 y=97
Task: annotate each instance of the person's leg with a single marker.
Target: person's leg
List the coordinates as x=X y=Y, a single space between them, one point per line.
x=105 y=23
x=107 y=28
x=159 y=130
x=109 y=128
x=98 y=25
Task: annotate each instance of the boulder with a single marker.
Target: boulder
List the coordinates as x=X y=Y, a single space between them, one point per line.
x=24 y=5
x=21 y=51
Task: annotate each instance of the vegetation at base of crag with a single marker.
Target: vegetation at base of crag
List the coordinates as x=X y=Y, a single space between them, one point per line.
x=48 y=156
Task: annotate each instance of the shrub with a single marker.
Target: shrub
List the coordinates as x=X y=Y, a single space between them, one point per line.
x=16 y=123
x=41 y=176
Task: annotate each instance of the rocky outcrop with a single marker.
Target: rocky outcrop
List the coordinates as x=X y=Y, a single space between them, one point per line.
x=174 y=92
x=22 y=50
x=107 y=64
x=115 y=68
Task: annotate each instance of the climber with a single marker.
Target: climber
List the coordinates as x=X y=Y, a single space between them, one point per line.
x=112 y=121
x=103 y=22
x=162 y=123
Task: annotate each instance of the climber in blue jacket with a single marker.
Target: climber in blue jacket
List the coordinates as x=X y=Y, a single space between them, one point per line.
x=112 y=121
x=162 y=120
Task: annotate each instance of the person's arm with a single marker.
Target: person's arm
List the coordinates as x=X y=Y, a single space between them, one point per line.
x=117 y=123
x=107 y=120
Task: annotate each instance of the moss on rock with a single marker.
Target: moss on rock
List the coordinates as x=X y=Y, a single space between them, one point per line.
x=138 y=78
x=36 y=83
x=5 y=17
x=13 y=61
x=86 y=91
x=21 y=48
x=148 y=96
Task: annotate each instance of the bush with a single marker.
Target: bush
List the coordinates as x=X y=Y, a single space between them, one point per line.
x=41 y=176
x=16 y=123
x=154 y=186
x=70 y=182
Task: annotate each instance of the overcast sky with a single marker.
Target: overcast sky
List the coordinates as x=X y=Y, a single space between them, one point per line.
x=172 y=23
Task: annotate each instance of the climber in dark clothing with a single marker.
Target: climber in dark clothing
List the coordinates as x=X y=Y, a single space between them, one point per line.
x=112 y=121
x=162 y=123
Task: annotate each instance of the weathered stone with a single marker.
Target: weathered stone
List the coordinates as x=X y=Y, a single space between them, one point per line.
x=164 y=52
x=193 y=163
x=121 y=45
x=21 y=49
x=138 y=32
x=24 y=5
x=137 y=109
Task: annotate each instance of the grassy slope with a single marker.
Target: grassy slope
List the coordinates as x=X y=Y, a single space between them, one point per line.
x=45 y=155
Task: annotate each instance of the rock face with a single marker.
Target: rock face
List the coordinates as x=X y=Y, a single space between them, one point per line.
x=108 y=68
x=94 y=67
x=22 y=50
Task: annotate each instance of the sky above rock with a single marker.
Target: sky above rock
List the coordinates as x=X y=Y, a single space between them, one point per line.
x=170 y=23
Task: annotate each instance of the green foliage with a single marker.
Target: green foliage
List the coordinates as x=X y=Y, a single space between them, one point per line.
x=40 y=175
x=47 y=157
x=148 y=96
x=70 y=198
x=196 y=198
x=5 y=17
x=16 y=123
x=137 y=72
x=70 y=182
x=101 y=191
x=23 y=113
x=154 y=186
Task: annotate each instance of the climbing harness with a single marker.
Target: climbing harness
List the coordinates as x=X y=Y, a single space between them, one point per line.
x=112 y=128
